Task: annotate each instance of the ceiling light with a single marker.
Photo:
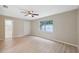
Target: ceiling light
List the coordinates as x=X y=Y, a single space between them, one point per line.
x=29 y=13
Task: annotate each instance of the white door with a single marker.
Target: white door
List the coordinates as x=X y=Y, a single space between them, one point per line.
x=8 y=28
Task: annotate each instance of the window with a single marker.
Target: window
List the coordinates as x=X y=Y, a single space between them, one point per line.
x=46 y=26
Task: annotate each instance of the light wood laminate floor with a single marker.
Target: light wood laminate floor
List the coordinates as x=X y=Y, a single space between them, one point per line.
x=32 y=44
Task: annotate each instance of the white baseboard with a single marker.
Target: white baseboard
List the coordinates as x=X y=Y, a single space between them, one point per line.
x=59 y=41
x=67 y=43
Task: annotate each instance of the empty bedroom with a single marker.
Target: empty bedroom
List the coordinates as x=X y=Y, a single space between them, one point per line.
x=39 y=28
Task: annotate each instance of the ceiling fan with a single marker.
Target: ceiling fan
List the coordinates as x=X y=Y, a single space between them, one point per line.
x=29 y=13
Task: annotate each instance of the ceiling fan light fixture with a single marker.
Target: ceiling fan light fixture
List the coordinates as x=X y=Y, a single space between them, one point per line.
x=29 y=13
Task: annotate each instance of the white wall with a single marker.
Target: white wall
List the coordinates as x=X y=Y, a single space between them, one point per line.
x=21 y=28
x=27 y=28
x=65 y=29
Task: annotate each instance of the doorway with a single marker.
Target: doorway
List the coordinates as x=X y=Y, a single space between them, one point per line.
x=8 y=28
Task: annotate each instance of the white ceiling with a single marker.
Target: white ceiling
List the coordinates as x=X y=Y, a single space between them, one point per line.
x=42 y=10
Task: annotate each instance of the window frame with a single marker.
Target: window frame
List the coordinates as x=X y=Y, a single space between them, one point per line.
x=46 y=22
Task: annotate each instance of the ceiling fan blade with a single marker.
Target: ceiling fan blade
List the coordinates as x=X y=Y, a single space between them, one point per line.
x=25 y=15
x=36 y=14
